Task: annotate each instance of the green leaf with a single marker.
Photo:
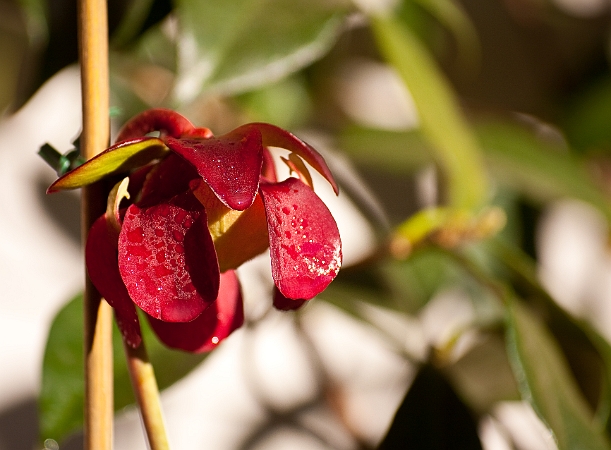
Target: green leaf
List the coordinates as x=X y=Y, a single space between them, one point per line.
x=432 y=416
x=590 y=351
x=120 y=158
x=61 y=402
x=587 y=124
x=134 y=17
x=236 y=45
x=453 y=17
x=544 y=380
x=441 y=121
x=537 y=168
x=396 y=152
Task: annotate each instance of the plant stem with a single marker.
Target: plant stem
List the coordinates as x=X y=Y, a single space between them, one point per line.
x=147 y=395
x=93 y=55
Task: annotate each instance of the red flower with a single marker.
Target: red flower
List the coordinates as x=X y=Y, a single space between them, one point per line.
x=203 y=205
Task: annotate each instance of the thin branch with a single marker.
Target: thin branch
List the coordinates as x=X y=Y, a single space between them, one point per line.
x=93 y=54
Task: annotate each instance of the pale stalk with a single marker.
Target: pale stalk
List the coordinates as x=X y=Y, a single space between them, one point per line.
x=147 y=395
x=93 y=56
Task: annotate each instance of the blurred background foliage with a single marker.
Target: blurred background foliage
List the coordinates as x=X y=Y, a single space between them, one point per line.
x=465 y=119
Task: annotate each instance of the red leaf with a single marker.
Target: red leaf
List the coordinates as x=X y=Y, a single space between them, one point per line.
x=274 y=136
x=217 y=322
x=102 y=264
x=167 y=259
x=166 y=121
x=305 y=245
x=230 y=164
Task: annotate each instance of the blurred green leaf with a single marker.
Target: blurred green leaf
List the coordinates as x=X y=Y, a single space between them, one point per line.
x=587 y=125
x=442 y=123
x=544 y=380
x=61 y=402
x=452 y=16
x=396 y=152
x=401 y=285
x=589 y=353
x=285 y=104
x=432 y=416
x=236 y=45
x=538 y=169
x=132 y=21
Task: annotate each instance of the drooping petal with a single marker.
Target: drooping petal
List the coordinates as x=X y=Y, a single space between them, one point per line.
x=167 y=260
x=167 y=179
x=229 y=164
x=286 y=304
x=213 y=325
x=101 y=258
x=166 y=121
x=274 y=136
x=305 y=245
x=120 y=158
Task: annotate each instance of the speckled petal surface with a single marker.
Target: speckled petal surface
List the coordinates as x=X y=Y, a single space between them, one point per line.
x=305 y=245
x=167 y=260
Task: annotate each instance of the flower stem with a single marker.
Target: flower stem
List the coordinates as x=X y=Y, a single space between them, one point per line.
x=147 y=395
x=93 y=55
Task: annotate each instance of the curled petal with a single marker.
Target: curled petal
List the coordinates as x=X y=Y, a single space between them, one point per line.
x=274 y=136
x=101 y=258
x=120 y=158
x=230 y=164
x=286 y=304
x=213 y=325
x=166 y=121
x=167 y=259
x=304 y=241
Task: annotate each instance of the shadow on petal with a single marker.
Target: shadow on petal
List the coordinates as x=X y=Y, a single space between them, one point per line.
x=217 y=322
x=282 y=303
x=101 y=256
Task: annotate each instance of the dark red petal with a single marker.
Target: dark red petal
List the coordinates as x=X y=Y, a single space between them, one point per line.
x=286 y=304
x=268 y=170
x=305 y=246
x=167 y=260
x=217 y=322
x=274 y=136
x=166 y=121
x=230 y=164
x=101 y=258
x=167 y=179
